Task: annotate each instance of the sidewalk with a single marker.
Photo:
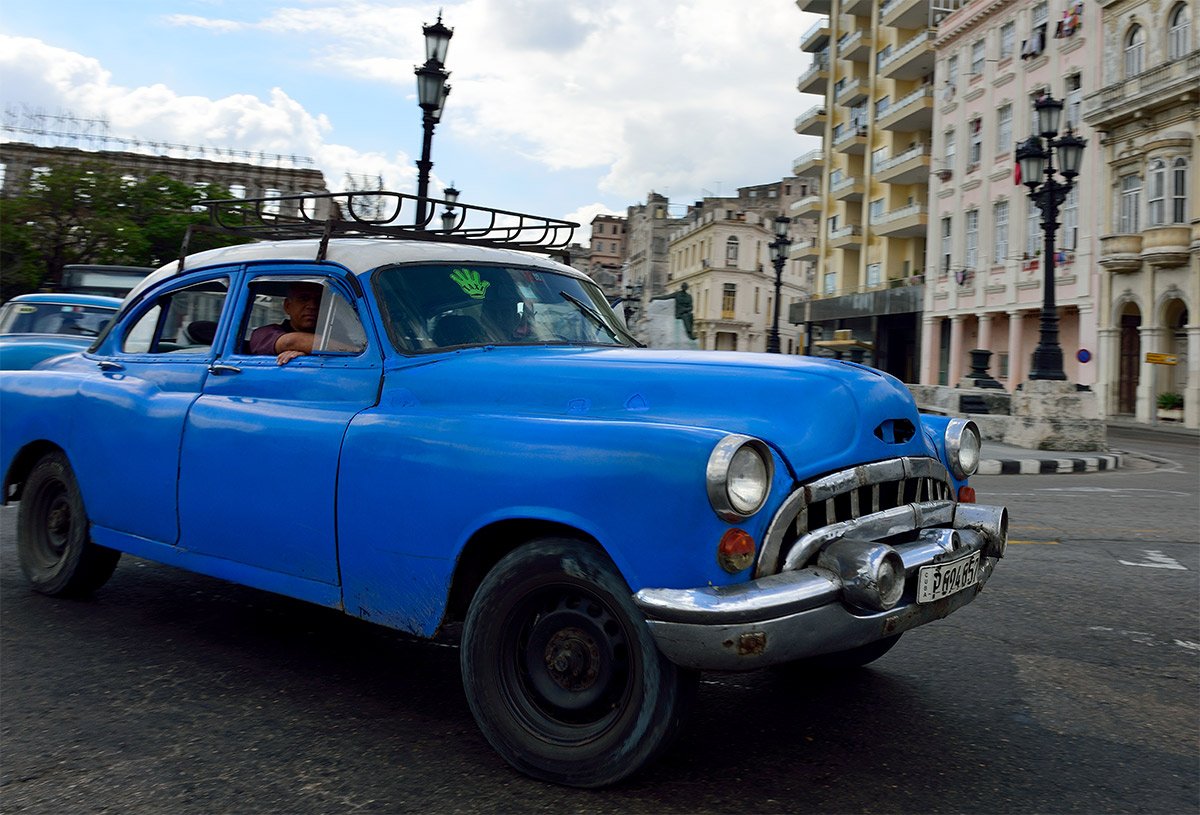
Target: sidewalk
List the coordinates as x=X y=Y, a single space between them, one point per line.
x=1004 y=459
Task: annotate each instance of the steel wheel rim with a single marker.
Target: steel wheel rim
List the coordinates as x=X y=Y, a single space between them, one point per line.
x=52 y=533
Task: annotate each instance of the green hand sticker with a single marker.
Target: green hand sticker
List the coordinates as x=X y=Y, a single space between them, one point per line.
x=468 y=280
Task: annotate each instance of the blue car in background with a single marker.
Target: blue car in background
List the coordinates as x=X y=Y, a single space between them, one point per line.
x=34 y=327
x=470 y=435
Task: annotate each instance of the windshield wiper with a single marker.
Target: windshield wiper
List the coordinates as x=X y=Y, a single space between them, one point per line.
x=590 y=313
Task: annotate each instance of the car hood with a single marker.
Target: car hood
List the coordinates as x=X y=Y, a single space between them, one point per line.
x=23 y=351
x=817 y=413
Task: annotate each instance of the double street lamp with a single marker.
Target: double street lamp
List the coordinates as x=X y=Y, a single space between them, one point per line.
x=779 y=255
x=1035 y=157
x=432 y=91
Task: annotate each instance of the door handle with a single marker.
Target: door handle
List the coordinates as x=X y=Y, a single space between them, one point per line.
x=109 y=365
x=224 y=369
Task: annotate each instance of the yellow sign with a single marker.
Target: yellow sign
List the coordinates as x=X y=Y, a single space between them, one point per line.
x=1162 y=359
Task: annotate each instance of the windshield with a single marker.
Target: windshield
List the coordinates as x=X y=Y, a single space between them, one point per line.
x=54 y=318
x=427 y=308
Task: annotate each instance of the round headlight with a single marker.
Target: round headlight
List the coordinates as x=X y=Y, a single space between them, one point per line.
x=962 y=447
x=738 y=476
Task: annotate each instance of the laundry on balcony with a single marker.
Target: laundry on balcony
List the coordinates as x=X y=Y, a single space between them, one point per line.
x=1035 y=45
x=1072 y=20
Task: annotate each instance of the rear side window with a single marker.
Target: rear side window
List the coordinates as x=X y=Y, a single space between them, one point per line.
x=181 y=321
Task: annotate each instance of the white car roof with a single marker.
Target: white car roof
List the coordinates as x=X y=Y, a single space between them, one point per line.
x=359 y=255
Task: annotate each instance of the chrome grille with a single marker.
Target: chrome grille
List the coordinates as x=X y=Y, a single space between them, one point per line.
x=850 y=494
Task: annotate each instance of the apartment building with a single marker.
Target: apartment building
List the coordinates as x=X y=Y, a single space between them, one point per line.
x=607 y=253
x=985 y=273
x=873 y=69
x=1146 y=112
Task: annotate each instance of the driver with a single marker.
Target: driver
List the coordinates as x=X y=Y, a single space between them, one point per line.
x=508 y=320
x=294 y=336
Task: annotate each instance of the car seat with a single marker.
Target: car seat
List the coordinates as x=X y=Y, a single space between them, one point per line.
x=458 y=329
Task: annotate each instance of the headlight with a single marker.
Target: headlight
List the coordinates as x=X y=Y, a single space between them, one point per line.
x=738 y=476
x=962 y=447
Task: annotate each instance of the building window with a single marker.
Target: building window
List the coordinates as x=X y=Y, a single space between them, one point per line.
x=977 y=53
x=1131 y=202
x=882 y=56
x=1033 y=229
x=1041 y=13
x=952 y=72
x=1004 y=130
x=1074 y=109
x=947 y=244
x=1177 y=32
x=950 y=149
x=1179 y=191
x=1070 y=220
x=830 y=285
x=1157 y=197
x=999 y=232
x=1037 y=32
x=971 y=259
x=876 y=210
x=881 y=106
x=728 y=301
x=1135 y=42
x=731 y=252
x=756 y=293
x=1008 y=39
x=976 y=148
x=874 y=274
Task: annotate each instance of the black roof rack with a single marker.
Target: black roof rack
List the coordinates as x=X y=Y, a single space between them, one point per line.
x=382 y=214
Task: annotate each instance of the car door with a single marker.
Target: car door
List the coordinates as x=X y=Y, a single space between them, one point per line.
x=259 y=465
x=130 y=415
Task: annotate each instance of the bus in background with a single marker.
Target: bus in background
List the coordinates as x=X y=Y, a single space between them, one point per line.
x=112 y=281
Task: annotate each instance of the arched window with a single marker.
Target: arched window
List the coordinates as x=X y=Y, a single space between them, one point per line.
x=1177 y=31
x=731 y=251
x=1158 y=192
x=1131 y=203
x=1179 y=191
x=1135 y=42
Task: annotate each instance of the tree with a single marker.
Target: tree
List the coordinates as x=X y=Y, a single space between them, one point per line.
x=90 y=213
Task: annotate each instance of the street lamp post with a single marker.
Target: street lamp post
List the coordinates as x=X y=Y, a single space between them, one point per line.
x=1036 y=160
x=432 y=91
x=779 y=253
x=450 y=195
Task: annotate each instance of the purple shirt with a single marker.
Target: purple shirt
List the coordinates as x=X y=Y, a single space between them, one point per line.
x=263 y=338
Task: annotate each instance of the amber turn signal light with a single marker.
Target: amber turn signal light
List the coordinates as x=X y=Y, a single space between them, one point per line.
x=735 y=552
x=966 y=495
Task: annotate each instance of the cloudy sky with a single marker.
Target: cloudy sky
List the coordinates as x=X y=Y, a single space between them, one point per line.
x=564 y=108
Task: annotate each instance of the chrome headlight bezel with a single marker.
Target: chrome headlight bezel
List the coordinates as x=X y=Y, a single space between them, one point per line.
x=727 y=506
x=963 y=451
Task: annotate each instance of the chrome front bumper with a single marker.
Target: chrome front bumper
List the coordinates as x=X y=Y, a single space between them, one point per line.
x=804 y=612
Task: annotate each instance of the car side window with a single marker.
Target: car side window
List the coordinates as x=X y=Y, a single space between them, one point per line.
x=181 y=321
x=276 y=301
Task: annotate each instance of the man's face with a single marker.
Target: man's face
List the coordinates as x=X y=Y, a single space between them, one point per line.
x=302 y=305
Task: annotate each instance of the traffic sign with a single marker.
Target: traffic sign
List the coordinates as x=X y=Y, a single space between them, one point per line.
x=1162 y=359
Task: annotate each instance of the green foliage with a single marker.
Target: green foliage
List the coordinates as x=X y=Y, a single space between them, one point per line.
x=90 y=213
x=1170 y=401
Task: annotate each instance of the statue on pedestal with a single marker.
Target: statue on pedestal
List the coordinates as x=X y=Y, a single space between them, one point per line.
x=683 y=307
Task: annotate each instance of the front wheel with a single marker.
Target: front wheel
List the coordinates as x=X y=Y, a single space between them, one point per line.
x=561 y=671
x=53 y=543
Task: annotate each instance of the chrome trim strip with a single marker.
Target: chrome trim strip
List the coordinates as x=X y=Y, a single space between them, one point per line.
x=767 y=597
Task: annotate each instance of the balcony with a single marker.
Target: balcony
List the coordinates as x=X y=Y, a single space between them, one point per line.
x=912 y=60
x=911 y=221
x=1158 y=87
x=905 y=14
x=848 y=237
x=859 y=8
x=804 y=249
x=815 y=6
x=808 y=206
x=910 y=167
x=852 y=142
x=855 y=45
x=1121 y=253
x=910 y=114
x=811 y=122
x=817 y=37
x=1165 y=247
x=852 y=92
x=816 y=78
x=808 y=162
x=848 y=189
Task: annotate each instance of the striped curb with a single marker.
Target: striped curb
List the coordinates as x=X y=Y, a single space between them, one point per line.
x=1049 y=466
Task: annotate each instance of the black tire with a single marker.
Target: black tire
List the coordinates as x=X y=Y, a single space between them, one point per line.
x=561 y=671
x=54 y=547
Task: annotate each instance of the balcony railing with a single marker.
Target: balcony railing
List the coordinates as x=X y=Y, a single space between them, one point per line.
x=811 y=157
x=903 y=212
x=916 y=42
x=815 y=28
x=834 y=189
x=1147 y=82
x=819 y=64
x=915 y=151
x=851 y=133
x=851 y=231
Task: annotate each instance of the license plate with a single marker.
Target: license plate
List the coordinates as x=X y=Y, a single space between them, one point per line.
x=944 y=579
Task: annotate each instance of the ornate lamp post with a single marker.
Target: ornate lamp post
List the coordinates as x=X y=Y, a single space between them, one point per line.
x=448 y=217
x=779 y=253
x=432 y=91
x=1036 y=160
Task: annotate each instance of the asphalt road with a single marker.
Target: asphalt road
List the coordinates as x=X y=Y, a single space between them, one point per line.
x=1072 y=684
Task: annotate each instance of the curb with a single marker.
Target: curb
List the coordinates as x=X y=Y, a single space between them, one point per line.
x=1049 y=466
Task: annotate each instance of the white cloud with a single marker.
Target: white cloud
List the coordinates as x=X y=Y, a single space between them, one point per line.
x=583 y=216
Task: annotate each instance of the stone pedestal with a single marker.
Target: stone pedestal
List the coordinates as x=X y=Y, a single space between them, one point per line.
x=659 y=328
x=1049 y=415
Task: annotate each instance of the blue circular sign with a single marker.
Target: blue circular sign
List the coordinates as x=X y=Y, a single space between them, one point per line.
x=1084 y=355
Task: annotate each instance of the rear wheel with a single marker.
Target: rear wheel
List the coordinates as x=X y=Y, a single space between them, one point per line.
x=561 y=671
x=53 y=545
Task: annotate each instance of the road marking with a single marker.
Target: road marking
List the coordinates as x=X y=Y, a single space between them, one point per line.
x=1157 y=561
x=1191 y=646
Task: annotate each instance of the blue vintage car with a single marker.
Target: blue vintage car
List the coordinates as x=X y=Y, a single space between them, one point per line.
x=34 y=327
x=420 y=433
